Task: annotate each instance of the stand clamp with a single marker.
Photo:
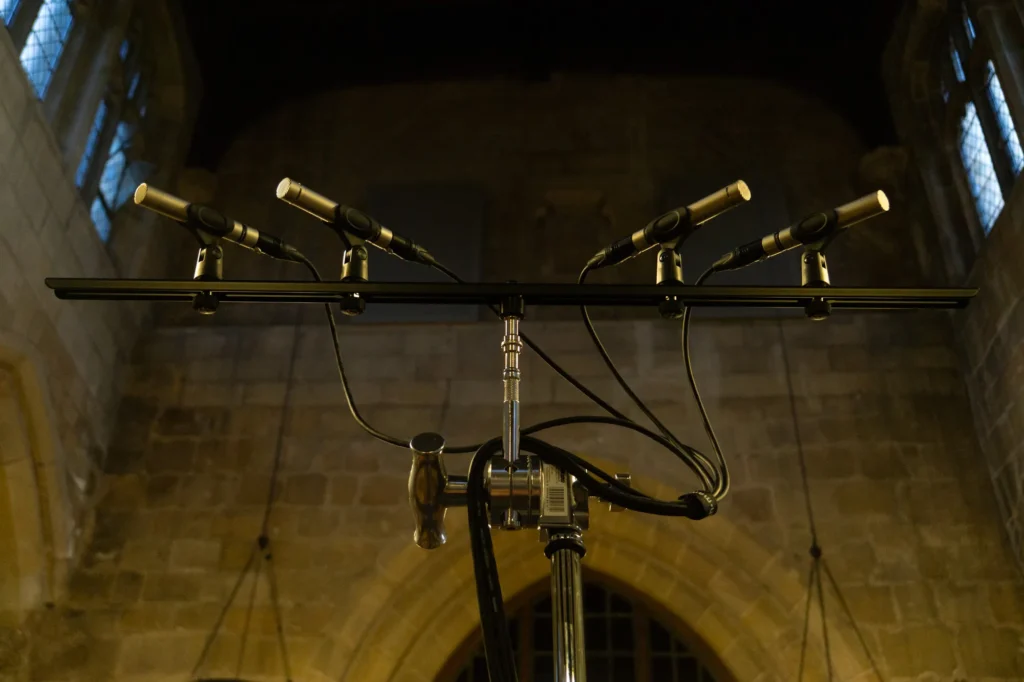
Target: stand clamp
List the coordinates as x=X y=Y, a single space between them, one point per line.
x=539 y=495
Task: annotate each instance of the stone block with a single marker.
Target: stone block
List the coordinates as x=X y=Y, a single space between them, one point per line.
x=85 y=587
x=127 y=587
x=124 y=492
x=144 y=556
x=383 y=490
x=257 y=422
x=198 y=617
x=988 y=652
x=305 y=489
x=192 y=422
x=191 y=554
x=915 y=602
x=171 y=456
x=206 y=491
x=435 y=366
x=871 y=604
x=879 y=461
x=253 y=489
x=1006 y=601
x=912 y=651
x=866 y=498
x=211 y=394
x=751 y=505
x=406 y=392
x=264 y=393
x=159 y=655
x=343 y=489
x=161 y=490
x=165 y=587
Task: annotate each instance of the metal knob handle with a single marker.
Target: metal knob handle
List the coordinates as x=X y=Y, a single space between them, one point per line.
x=427 y=480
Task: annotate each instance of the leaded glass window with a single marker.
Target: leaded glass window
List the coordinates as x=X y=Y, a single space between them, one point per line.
x=1001 y=110
x=625 y=643
x=91 y=144
x=977 y=117
x=45 y=43
x=7 y=8
x=980 y=170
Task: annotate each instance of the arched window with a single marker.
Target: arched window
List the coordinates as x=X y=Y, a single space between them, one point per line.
x=45 y=43
x=7 y=8
x=975 y=110
x=625 y=643
x=106 y=175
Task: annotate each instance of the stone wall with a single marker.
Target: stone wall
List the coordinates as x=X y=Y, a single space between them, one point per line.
x=560 y=169
x=61 y=364
x=990 y=332
x=905 y=513
x=45 y=231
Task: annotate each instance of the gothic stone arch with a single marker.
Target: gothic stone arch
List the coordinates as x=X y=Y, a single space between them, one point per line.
x=33 y=519
x=743 y=604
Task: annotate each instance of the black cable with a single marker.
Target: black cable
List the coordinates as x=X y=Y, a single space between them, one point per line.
x=724 y=480
x=279 y=448
x=824 y=623
x=248 y=618
x=222 y=615
x=801 y=457
x=341 y=369
x=712 y=472
x=493 y=624
x=685 y=453
x=818 y=563
x=849 y=614
x=720 y=474
x=807 y=621
x=275 y=601
x=614 y=370
x=691 y=457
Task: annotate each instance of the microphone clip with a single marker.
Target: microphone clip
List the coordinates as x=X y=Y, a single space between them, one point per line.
x=814 y=273
x=670 y=272
x=355 y=267
x=209 y=268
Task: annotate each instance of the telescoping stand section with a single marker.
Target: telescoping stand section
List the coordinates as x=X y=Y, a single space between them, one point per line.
x=517 y=481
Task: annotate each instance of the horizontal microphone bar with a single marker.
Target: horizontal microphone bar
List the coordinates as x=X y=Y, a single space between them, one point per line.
x=422 y=293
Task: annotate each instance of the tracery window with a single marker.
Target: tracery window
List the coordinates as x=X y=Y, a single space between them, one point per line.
x=975 y=107
x=625 y=643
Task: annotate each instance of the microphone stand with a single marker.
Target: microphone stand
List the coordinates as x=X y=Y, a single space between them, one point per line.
x=523 y=493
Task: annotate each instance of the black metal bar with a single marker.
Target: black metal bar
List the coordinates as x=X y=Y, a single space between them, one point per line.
x=532 y=294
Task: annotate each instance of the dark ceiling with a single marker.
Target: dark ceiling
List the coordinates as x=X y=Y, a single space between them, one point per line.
x=254 y=55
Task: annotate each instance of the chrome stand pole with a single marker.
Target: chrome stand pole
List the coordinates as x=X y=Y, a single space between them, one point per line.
x=512 y=311
x=565 y=550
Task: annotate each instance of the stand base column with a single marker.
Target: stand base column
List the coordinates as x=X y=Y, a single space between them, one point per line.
x=565 y=550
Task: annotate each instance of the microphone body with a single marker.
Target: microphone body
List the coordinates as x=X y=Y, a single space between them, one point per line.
x=812 y=229
x=671 y=226
x=213 y=222
x=352 y=220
